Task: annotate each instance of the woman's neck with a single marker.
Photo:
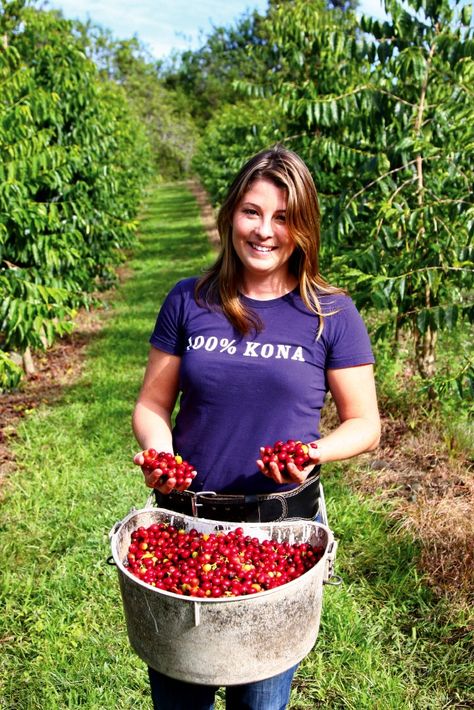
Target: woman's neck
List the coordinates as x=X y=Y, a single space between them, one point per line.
x=267 y=289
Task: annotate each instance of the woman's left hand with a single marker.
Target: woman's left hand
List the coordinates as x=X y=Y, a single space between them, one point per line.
x=353 y=392
x=291 y=474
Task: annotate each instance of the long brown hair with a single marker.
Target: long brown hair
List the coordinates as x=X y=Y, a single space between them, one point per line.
x=220 y=285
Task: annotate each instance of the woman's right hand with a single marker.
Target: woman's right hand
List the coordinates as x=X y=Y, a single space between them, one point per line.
x=153 y=477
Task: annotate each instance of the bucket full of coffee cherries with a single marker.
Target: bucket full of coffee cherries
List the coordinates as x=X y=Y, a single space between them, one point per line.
x=220 y=603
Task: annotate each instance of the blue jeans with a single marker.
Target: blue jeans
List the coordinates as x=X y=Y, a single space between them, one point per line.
x=269 y=694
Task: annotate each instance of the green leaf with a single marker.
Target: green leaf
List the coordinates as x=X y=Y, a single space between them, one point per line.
x=466 y=15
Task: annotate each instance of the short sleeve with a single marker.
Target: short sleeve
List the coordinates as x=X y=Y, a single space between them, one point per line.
x=168 y=333
x=348 y=342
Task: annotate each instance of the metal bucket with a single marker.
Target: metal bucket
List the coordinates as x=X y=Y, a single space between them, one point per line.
x=223 y=641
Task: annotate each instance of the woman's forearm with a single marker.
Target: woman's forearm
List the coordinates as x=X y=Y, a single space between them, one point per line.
x=152 y=427
x=151 y=419
x=350 y=438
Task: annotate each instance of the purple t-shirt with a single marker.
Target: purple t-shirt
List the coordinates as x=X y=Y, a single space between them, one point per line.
x=238 y=393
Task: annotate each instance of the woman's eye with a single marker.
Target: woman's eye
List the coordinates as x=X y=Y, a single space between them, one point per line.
x=281 y=218
x=248 y=210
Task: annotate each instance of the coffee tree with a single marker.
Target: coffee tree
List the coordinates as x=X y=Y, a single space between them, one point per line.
x=413 y=216
x=232 y=136
x=163 y=113
x=72 y=162
x=396 y=132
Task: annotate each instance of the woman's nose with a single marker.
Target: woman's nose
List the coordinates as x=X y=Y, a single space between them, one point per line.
x=265 y=228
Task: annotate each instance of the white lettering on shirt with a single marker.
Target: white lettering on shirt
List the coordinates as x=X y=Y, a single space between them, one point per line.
x=279 y=351
x=267 y=350
x=211 y=343
x=283 y=351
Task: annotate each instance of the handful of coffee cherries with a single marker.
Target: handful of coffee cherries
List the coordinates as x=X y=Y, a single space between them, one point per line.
x=170 y=465
x=283 y=453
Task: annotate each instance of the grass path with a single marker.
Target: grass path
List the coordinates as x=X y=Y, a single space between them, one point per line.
x=384 y=642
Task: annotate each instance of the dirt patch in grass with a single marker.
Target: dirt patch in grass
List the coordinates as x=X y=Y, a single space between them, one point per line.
x=55 y=368
x=431 y=494
x=208 y=215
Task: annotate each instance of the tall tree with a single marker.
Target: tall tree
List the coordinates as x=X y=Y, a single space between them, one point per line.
x=72 y=164
x=206 y=77
x=416 y=257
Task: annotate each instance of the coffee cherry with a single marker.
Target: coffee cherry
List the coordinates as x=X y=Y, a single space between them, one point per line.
x=215 y=565
x=171 y=466
x=283 y=453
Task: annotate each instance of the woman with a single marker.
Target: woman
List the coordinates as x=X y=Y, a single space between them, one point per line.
x=252 y=348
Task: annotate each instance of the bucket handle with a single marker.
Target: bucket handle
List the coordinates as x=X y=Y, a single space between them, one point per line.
x=330 y=559
x=114 y=529
x=150 y=501
x=334 y=581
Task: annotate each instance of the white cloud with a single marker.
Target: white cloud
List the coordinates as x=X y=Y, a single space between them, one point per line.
x=373 y=8
x=161 y=26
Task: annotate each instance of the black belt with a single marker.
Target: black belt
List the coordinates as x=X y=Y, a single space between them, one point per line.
x=297 y=503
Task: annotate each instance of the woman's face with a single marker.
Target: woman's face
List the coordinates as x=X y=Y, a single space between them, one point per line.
x=260 y=232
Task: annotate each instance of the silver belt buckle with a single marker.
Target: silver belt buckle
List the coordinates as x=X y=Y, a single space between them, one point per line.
x=195 y=503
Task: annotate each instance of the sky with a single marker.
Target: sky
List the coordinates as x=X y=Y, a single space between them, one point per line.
x=167 y=25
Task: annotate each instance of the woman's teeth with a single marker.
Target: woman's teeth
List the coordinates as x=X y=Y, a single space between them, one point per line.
x=258 y=247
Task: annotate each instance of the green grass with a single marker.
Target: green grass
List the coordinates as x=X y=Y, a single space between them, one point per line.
x=384 y=642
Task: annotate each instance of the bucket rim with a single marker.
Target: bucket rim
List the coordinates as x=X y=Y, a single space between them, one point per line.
x=230 y=525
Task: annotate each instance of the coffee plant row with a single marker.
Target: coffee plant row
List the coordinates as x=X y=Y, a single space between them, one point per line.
x=72 y=165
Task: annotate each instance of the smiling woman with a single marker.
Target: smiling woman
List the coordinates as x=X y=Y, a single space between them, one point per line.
x=251 y=349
